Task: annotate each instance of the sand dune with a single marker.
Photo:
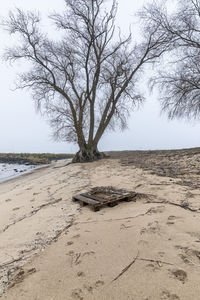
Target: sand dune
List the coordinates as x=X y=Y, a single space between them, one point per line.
x=51 y=248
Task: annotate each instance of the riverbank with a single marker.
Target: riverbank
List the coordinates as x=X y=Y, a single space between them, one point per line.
x=51 y=248
x=32 y=158
x=9 y=171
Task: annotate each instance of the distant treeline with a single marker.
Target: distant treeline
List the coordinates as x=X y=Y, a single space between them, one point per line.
x=31 y=158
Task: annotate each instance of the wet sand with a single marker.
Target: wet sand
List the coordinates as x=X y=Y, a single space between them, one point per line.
x=51 y=248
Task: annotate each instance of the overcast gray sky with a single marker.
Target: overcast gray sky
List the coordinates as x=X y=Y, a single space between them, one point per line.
x=22 y=130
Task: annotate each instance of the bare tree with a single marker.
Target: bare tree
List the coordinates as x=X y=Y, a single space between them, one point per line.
x=180 y=82
x=87 y=80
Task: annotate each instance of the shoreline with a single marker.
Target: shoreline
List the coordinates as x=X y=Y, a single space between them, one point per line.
x=18 y=173
x=24 y=174
x=60 y=250
x=53 y=164
x=32 y=214
x=32 y=158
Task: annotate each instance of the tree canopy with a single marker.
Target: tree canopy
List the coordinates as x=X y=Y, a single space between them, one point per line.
x=179 y=80
x=85 y=81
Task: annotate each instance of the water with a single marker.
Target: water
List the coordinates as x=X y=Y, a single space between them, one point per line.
x=8 y=171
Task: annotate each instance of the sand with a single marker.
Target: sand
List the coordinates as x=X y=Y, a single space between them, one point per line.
x=51 y=248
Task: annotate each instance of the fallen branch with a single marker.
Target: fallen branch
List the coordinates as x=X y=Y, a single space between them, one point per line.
x=54 y=239
x=12 y=262
x=126 y=268
x=160 y=184
x=156 y=261
x=184 y=206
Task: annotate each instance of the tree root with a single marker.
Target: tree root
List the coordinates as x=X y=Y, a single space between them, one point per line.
x=88 y=155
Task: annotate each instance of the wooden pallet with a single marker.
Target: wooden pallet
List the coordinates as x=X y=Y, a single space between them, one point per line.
x=102 y=196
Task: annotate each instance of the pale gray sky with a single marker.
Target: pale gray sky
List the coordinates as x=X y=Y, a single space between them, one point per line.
x=22 y=130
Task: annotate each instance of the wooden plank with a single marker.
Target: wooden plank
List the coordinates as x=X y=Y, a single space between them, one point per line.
x=99 y=199
x=85 y=200
x=125 y=197
x=113 y=203
x=94 y=198
x=95 y=208
x=117 y=198
x=125 y=194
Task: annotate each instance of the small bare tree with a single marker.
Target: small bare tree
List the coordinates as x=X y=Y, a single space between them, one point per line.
x=87 y=80
x=180 y=82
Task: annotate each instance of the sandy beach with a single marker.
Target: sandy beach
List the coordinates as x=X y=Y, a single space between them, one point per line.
x=148 y=249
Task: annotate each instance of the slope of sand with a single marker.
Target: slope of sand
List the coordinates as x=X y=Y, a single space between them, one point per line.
x=50 y=248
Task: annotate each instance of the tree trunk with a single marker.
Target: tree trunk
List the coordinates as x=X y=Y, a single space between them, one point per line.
x=88 y=152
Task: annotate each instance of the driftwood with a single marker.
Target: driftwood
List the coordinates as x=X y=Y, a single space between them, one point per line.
x=184 y=206
x=12 y=262
x=126 y=268
x=156 y=261
x=159 y=262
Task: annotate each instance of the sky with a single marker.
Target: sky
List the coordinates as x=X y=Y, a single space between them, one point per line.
x=23 y=130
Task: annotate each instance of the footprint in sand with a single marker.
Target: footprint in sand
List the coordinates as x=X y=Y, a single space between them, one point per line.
x=162 y=254
x=77 y=294
x=16 y=208
x=190 y=256
x=157 y=209
x=89 y=288
x=181 y=275
x=166 y=295
x=143 y=230
x=29 y=188
x=96 y=285
x=123 y=226
x=99 y=283
x=81 y=274
x=8 y=200
x=70 y=243
x=152 y=227
x=153 y=267
x=170 y=223
x=172 y=218
x=76 y=258
x=143 y=243
x=76 y=236
x=76 y=228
